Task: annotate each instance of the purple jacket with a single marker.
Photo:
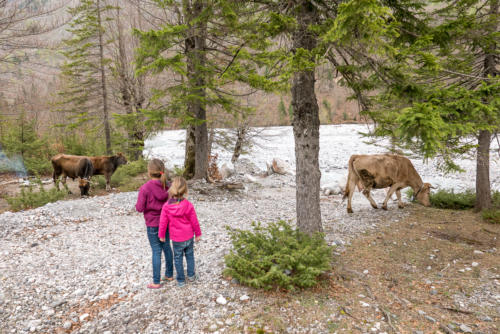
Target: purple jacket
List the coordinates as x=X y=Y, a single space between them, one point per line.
x=151 y=198
x=181 y=220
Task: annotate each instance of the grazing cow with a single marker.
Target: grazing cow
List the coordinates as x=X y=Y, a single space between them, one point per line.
x=379 y=171
x=106 y=165
x=73 y=166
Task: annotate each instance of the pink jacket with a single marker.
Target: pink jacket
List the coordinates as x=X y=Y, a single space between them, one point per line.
x=181 y=220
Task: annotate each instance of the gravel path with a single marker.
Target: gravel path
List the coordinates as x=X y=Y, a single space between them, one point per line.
x=82 y=266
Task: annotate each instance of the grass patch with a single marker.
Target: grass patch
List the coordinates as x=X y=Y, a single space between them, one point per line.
x=491 y=216
x=30 y=199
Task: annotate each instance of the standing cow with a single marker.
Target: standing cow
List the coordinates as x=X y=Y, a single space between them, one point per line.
x=73 y=166
x=379 y=171
x=106 y=165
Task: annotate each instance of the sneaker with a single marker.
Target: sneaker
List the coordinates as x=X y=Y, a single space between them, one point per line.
x=181 y=284
x=193 y=279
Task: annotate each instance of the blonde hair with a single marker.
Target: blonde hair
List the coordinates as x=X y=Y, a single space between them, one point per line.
x=156 y=169
x=178 y=188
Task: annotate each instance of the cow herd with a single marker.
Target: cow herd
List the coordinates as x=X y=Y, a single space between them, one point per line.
x=83 y=168
x=366 y=172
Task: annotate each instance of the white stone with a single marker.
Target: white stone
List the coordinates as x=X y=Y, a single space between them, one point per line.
x=212 y=328
x=67 y=325
x=475 y=264
x=364 y=304
x=365 y=271
x=244 y=297
x=250 y=178
x=226 y=170
x=84 y=316
x=478 y=252
x=221 y=300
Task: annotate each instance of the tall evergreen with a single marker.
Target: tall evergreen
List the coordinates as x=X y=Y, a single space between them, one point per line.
x=85 y=96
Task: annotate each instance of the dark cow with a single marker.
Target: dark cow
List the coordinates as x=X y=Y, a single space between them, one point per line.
x=106 y=165
x=380 y=171
x=73 y=166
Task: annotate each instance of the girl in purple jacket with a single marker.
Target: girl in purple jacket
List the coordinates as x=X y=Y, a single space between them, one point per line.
x=179 y=217
x=152 y=195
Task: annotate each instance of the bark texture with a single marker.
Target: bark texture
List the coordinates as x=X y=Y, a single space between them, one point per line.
x=189 y=156
x=306 y=128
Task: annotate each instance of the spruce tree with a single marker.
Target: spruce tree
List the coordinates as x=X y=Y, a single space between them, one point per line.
x=85 y=97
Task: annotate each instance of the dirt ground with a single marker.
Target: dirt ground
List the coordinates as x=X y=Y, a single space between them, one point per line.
x=433 y=272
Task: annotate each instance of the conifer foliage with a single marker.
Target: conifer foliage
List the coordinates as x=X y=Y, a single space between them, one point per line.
x=85 y=97
x=277 y=256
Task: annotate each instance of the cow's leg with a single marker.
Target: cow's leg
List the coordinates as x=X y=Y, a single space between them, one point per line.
x=108 y=181
x=400 y=202
x=391 y=191
x=368 y=195
x=351 y=187
x=63 y=180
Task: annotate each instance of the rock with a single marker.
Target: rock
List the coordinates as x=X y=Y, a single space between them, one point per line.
x=67 y=325
x=212 y=328
x=58 y=303
x=364 y=304
x=84 y=316
x=478 y=252
x=421 y=312
x=235 y=281
x=433 y=292
x=365 y=271
x=418 y=332
x=485 y=318
x=431 y=319
x=221 y=300
x=244 y=298
x=79 y=292
x=466 y=329
x=475 y=264
x=226 y=170
x=280 y=166
x=250 y=178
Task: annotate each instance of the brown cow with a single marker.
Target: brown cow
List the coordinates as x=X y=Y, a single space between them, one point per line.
x=379 y=171
x=73 y=166
x=106 y=165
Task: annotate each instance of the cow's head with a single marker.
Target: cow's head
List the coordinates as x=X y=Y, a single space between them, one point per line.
x=84 y=186
x=120 y=159
x=422 y=195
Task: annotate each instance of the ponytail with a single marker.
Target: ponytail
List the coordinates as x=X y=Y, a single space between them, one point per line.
x=163 y=179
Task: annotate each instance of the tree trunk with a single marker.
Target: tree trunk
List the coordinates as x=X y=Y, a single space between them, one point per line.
x=306 y=128
x=483 y=191
x=196 y=59
x=241 y=132
x=483 y=187
x=189 y=157
x=107 y=130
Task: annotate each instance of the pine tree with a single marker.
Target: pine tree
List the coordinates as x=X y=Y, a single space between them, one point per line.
x=85 y=68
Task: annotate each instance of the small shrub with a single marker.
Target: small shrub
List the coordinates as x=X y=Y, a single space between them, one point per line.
x=178 y=170
x=277 y=256
x=30 y=199
x=125 y=173
x=446 y=199
x=491 y=216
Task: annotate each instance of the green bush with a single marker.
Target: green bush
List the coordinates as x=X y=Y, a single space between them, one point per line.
x=277 y=256
x=446 y=199
x=491 y=216
x=123 y=176
x=29 y=199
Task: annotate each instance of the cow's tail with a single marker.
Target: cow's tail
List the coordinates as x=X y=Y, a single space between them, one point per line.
x=351 y=169
x=88 y=169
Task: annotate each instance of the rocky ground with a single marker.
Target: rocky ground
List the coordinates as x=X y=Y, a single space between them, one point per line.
x=82 y=266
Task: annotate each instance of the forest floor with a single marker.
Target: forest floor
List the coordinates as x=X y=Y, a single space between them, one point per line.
x=416 y=270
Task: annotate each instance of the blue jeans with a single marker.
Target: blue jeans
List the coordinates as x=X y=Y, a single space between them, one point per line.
x=157 y=247
x=181 y=248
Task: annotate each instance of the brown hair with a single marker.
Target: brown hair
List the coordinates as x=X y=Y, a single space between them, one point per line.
x=178 y=188
x=156 y=169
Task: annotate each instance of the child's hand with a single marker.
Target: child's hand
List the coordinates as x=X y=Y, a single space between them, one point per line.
x=162 y=240
x=197 y=239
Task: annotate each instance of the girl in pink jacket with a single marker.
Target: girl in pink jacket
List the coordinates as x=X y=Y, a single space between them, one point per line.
x=179 y=216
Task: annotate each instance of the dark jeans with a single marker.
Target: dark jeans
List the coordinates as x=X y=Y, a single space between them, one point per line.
x=181 y=248
x=157 y=247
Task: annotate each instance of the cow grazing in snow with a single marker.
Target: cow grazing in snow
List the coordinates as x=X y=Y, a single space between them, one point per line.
x=380 y=171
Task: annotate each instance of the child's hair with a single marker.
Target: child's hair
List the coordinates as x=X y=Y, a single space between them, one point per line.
x=156 y=169
x=178 y=188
